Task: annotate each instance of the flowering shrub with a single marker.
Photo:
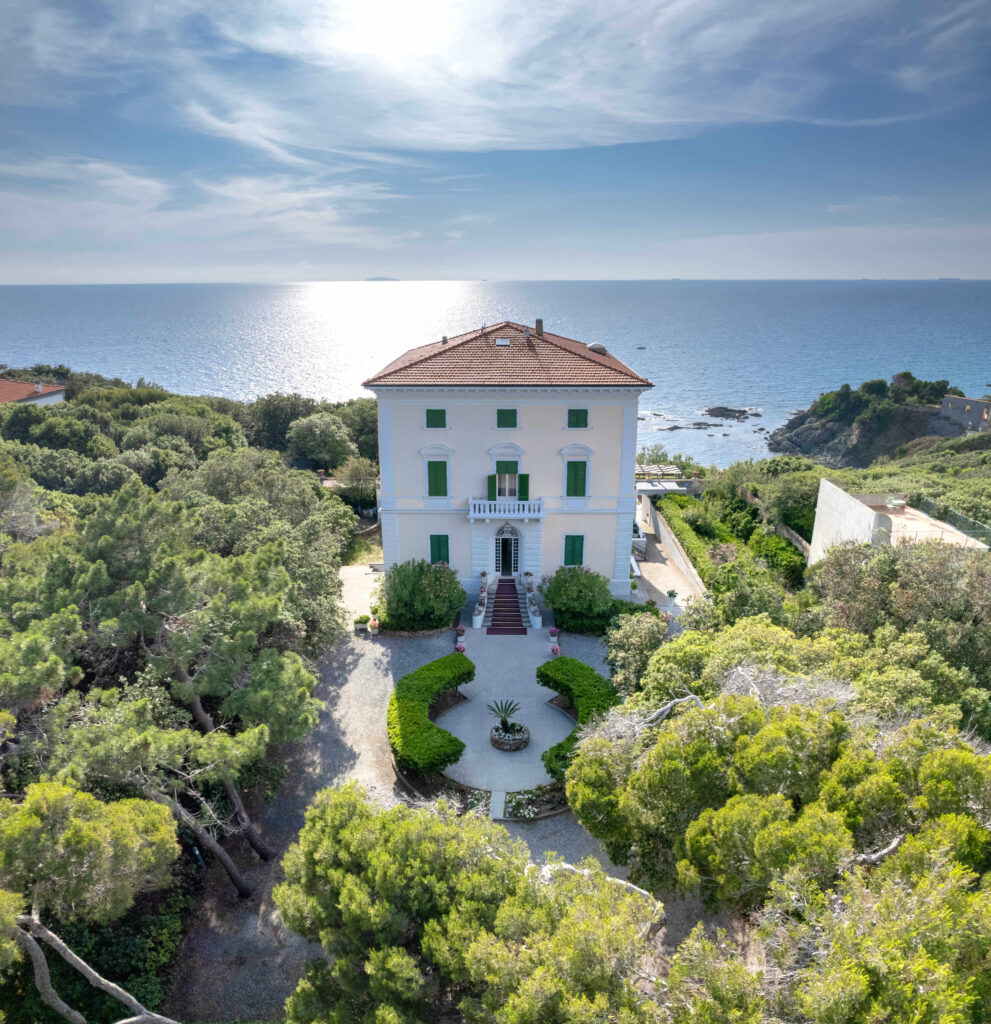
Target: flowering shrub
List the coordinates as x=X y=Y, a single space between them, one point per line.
x=418 y=595
x=522 y=804
x=555 y=650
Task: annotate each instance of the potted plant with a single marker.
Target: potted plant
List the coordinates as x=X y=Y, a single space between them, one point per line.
x=478 y=615
x=555 y=650
x=507 y=734
x=555 y=634
x=460 y=630
x=460 y=648
x=361 y=623
x=373 y=626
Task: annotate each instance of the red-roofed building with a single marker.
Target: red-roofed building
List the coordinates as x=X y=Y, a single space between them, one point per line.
x=509 y=450
x=30 y=394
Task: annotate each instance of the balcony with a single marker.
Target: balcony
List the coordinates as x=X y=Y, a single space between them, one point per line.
x=505 y=508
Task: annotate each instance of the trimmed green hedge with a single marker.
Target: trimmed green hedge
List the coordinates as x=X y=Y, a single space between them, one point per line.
x=696 y=548
x=597 y=625
x=591 y=695
x=417 y=744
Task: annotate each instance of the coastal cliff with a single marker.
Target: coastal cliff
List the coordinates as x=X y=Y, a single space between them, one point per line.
x=849 y=429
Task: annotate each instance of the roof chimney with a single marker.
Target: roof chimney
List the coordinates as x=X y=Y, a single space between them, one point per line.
x=443 y=340
x=540 y=328
x=37 y=386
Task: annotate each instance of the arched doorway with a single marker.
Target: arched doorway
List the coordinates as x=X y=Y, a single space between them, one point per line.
x=507 y=551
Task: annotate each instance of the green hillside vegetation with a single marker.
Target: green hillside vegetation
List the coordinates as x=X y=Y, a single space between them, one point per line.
x=875 y=400
x=164 y=584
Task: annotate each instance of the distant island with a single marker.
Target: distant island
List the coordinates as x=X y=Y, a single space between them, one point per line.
x=381 y=278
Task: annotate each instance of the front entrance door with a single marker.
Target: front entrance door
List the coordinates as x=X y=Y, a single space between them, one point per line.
x=506 y=556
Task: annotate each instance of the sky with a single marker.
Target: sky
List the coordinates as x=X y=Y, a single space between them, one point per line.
x=289 y=140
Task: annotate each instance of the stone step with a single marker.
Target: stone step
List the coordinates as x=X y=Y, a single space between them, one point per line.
x=497 y=805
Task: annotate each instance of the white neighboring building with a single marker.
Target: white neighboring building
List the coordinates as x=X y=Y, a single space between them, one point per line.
x=509 y=450
x=25 y=393
x=876 y=519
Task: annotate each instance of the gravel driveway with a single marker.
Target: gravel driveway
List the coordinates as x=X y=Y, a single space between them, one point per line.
x=237 y=961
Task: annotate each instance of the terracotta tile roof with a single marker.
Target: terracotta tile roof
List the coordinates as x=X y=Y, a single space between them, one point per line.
x=20 y=390
x=476 y=360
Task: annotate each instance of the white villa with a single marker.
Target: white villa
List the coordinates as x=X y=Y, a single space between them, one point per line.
x=509 y=450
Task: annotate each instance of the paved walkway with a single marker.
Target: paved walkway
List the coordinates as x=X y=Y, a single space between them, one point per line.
x=357 y=584
x=659 y=575
x=505 y=669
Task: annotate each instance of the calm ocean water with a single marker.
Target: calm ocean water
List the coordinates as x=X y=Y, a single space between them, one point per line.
x=767 y=345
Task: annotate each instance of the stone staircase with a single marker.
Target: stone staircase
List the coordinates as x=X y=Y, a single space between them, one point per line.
x=506 y=612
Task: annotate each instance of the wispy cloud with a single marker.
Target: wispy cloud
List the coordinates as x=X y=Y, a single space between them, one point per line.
x=863 y=203
x=288 y=75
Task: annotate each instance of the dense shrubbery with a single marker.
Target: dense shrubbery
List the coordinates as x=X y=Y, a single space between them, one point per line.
x=724 y=798
x=630 y=642
x=875 y=399
x=322 y=438
x=780 y=555
x=588 y=693
x=417 y=595
x=417 y=744
x=424 y=916
x=152 y=642
x=581 y=601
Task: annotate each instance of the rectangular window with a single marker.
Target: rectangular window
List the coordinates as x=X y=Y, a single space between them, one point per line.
x=578 y=419
x=437 y=479
x=437 y=418
x=576 y=479
x=440 y=549
x=505 y=417
x=506 y=470
x=574 y=549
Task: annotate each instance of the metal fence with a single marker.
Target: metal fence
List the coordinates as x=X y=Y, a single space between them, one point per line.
x=971 y=527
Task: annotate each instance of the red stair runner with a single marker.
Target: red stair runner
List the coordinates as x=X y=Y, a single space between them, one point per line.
x=506 y=618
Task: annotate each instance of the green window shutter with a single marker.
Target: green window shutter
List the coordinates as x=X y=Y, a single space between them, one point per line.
x=436 y=417
x=493 y=485
x=577 y=418
x=523 y=487
x=437 y=479
x=440 y=549
x=574 y=553
x=576 y=480
x=507 y=467
x=505 y=417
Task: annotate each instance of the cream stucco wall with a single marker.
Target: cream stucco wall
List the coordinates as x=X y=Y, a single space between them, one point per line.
x=541 y=444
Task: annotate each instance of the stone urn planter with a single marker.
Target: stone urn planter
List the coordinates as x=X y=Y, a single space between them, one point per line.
x=478 y=615
x=502 y=740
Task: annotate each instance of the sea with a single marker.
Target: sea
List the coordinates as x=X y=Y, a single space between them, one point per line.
x=770 y=347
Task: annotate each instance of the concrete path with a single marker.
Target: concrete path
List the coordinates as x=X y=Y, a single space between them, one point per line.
x=505 y=669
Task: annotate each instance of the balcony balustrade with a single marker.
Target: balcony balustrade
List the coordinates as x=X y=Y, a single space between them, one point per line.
x=505 y=508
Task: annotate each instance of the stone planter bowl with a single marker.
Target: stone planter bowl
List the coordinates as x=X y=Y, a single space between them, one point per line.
x=500 y=741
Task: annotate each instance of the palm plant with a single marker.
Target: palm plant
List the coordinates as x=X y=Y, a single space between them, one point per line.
x=504 y=711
